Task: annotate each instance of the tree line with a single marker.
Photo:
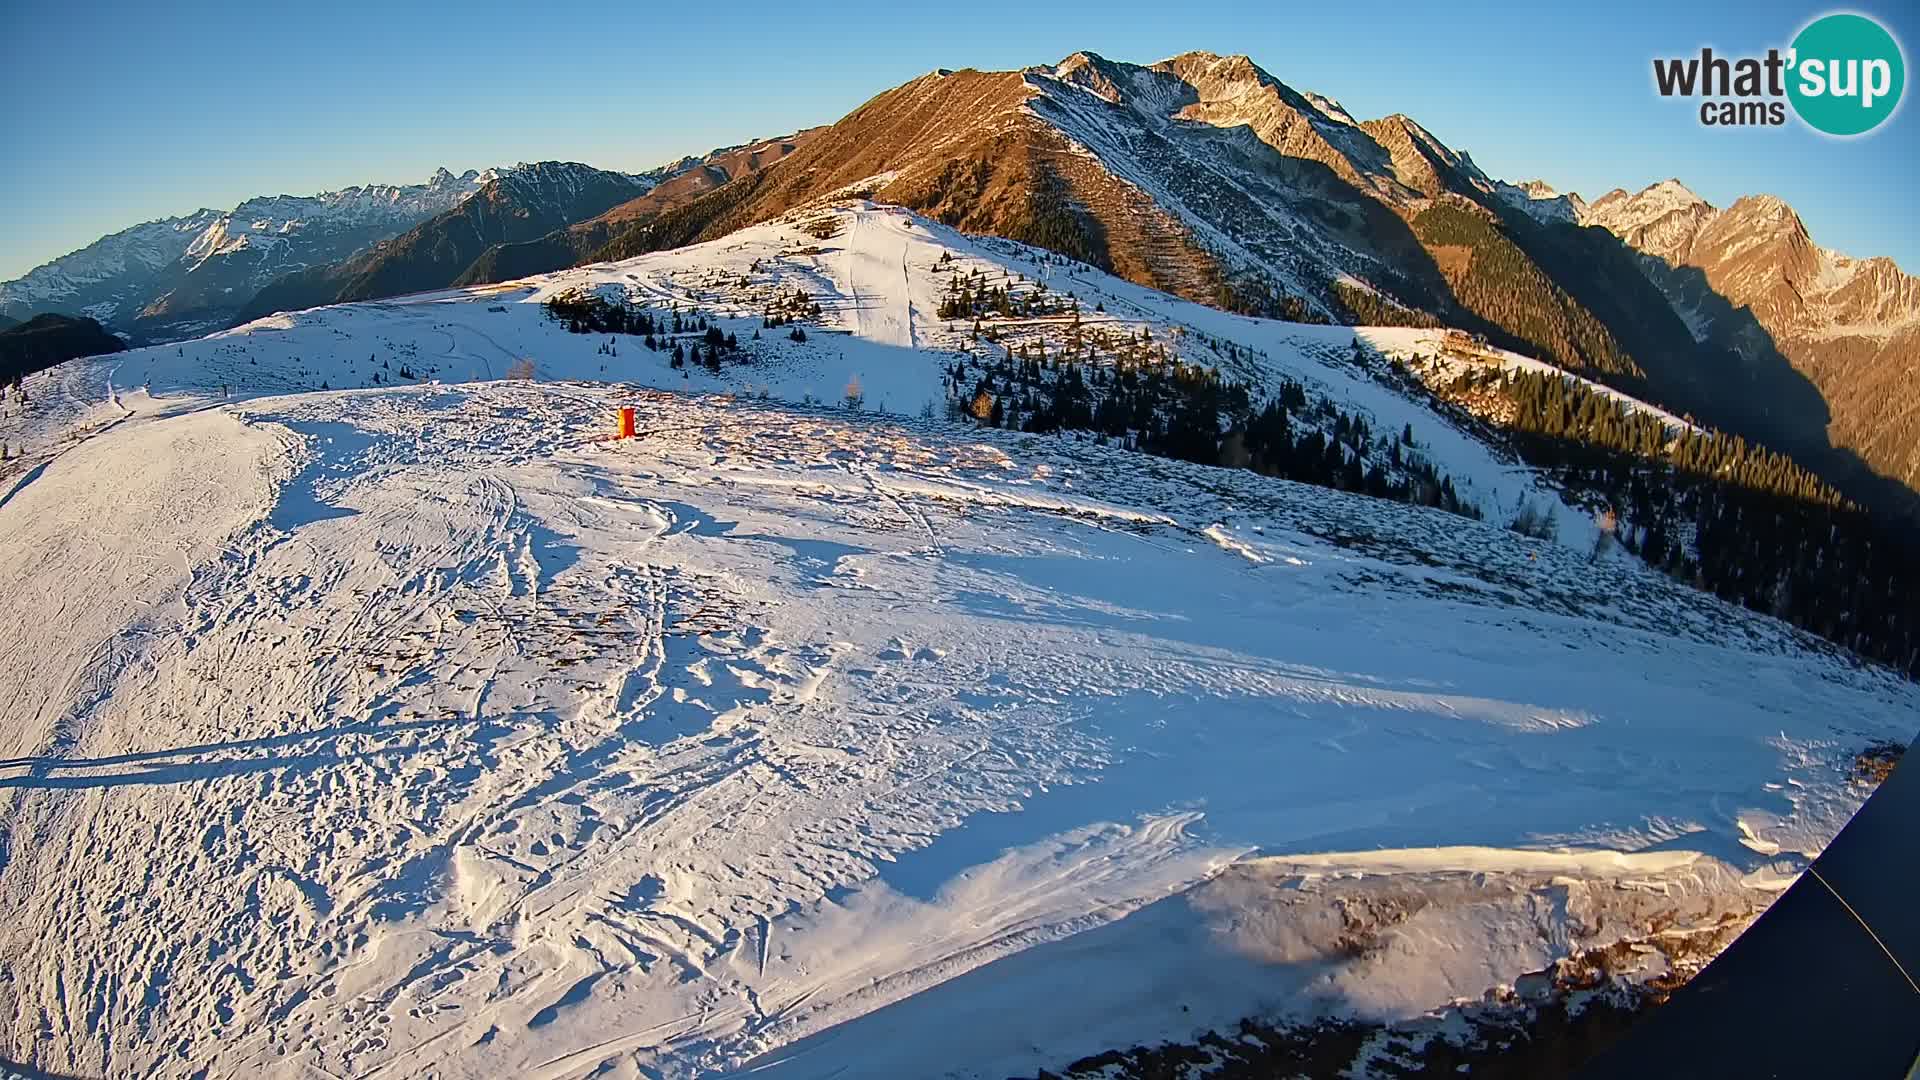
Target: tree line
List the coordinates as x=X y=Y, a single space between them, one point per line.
x=1722 y=514
x=1171 y=408
x=688 y=338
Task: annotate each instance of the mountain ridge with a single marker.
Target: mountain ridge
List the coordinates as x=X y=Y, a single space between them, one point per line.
x=518 y=204
x=1206 y=176
x=180 y=275
x=1750 y=279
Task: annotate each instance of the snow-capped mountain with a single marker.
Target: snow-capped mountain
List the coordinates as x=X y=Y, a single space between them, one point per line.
x=814 y=731
x=1750 y=278
x=1661 y=220
x=512 y=205
x=1207 y=177
x=87 y=279
x=191 y=273
x=1541 y=200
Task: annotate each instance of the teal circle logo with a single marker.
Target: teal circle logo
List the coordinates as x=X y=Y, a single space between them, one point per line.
x=1848 y=73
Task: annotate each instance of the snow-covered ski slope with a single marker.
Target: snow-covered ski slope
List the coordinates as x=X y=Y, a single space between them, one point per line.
x=423 y=731
x=879 y=281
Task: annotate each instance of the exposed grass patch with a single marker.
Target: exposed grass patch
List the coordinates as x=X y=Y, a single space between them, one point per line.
x=1873 y=765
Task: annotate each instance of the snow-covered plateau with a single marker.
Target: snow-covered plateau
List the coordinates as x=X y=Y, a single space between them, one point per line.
x=360 y=723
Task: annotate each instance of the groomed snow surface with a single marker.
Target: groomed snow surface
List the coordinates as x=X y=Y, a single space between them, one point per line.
x=424 y=731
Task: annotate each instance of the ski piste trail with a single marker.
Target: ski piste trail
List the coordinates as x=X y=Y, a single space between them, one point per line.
x=879 y=283
x=422 y=730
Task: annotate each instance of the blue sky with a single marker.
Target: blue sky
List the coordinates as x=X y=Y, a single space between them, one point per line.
x=122 y=112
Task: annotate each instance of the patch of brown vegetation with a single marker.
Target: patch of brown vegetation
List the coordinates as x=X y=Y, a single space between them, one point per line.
x=1452 y=260
x=1565 y=1018
x=1872 y=766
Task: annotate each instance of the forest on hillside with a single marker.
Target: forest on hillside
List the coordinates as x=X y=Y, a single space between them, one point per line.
x=1716 y=511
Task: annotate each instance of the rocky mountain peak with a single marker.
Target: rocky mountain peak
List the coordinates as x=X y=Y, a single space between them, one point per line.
x=1672 y=191
x=1766 y=212
x=1096 y=74
x=1661 y=220
x=1219 y=73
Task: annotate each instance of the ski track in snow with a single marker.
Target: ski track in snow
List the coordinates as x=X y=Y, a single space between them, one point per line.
x=879 y=283
x=421 y=731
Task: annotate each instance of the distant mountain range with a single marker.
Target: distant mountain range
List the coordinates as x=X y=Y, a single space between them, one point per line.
x=687 y=180
x=518 y=204
x=1202 y=175
x=183 y=276
x=527 y=220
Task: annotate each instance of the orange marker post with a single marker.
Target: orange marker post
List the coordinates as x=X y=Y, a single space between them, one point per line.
x=626 y=422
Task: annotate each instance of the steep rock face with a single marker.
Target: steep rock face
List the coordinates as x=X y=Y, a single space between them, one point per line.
x=1233 y=92
x=1421 y=161
x=1661 y=220
x=1752 y=279
x=1542 y=202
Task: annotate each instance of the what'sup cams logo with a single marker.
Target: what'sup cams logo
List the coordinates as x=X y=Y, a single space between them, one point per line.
x=1842 y=75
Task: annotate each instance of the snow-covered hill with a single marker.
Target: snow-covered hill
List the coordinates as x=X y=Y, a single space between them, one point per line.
x=879 y=280
x=411 y=726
